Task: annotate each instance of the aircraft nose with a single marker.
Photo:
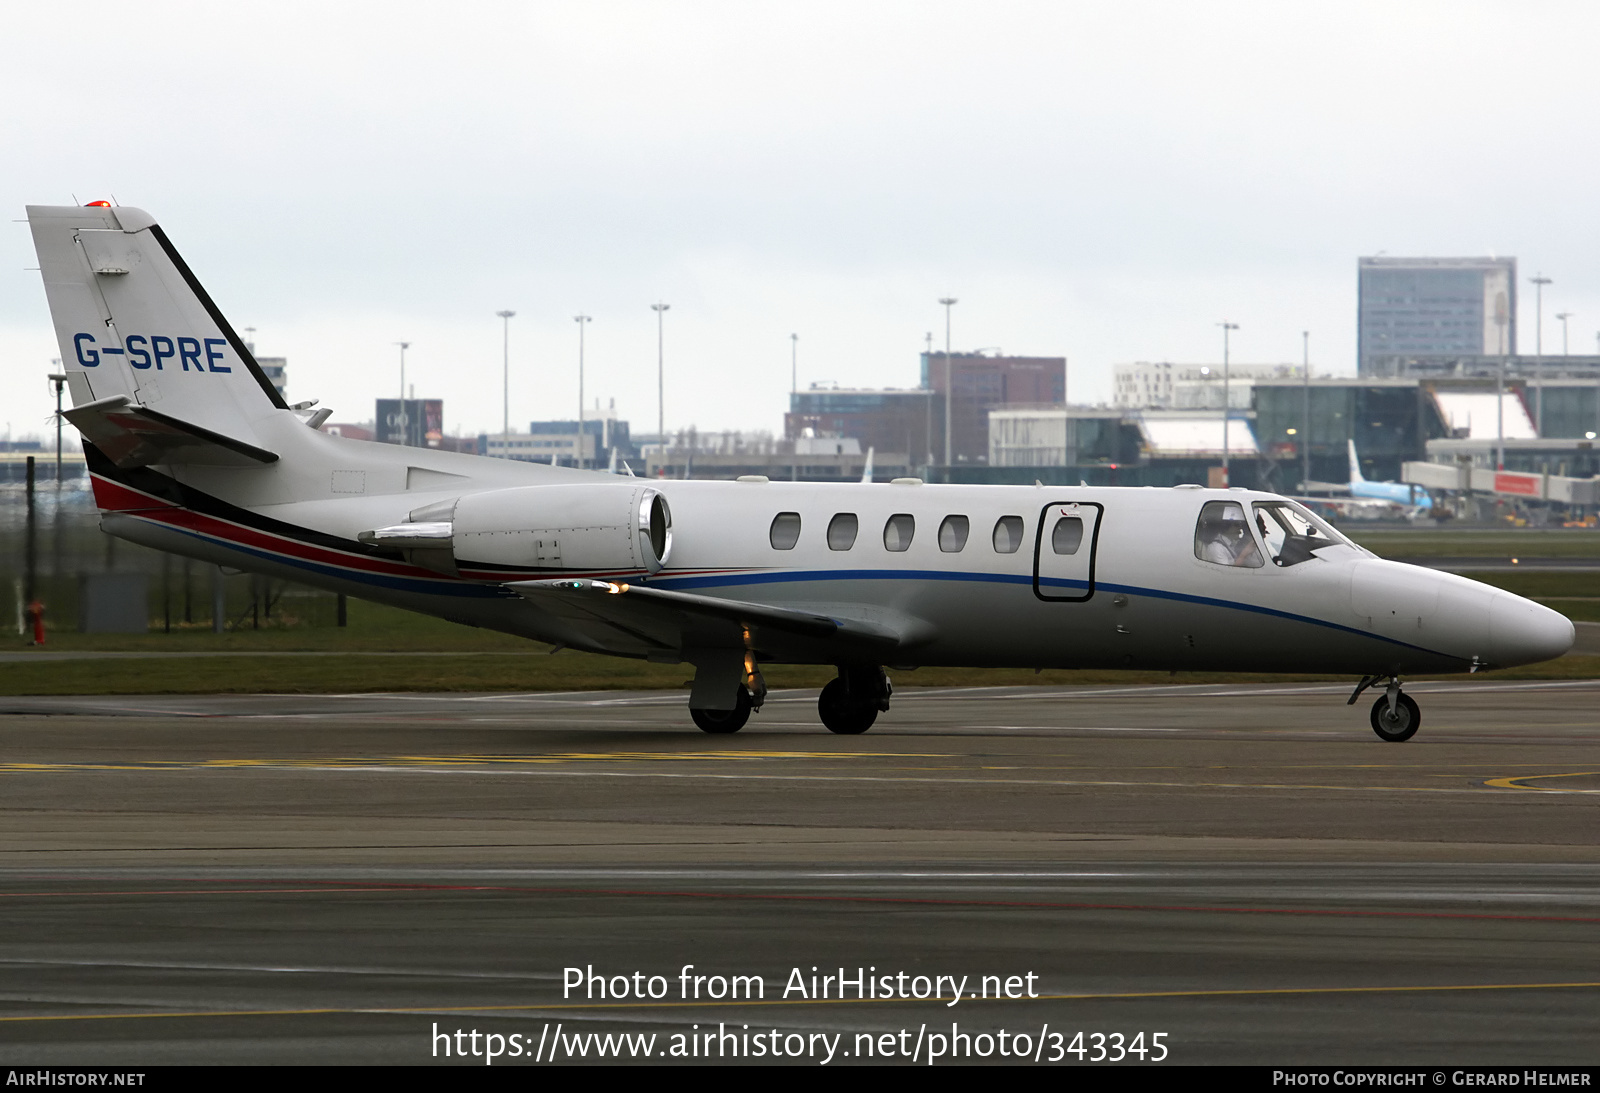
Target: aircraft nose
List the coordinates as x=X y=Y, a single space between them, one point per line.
x=1524 y=632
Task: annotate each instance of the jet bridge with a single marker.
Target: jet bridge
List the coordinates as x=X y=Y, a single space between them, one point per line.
x=1465 y=478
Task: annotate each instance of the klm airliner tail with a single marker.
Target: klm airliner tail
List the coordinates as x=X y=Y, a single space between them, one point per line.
x=1355 y=466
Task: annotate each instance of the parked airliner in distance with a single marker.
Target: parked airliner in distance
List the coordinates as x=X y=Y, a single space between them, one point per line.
x=192 y=450
x=1371 y=499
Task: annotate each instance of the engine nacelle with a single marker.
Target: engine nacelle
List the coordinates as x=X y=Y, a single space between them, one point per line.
x=598 y=528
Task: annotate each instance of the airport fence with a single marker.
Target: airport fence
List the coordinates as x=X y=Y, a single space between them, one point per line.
x=70 y=556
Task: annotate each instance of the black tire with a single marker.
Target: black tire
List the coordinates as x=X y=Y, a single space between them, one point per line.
x=724 y=721
x=843 y=713
x=1402 y=725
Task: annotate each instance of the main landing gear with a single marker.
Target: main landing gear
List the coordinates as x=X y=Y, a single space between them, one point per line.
x=721 y=721
x=850 y=703
x=1395 y=716
x=717 y=676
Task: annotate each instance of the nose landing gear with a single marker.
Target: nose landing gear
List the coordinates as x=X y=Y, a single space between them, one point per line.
x=1395 y=716
x=1396 y=719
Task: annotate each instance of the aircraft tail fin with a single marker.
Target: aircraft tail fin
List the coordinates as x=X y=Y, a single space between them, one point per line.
x=1355 y=465
x=134 y=324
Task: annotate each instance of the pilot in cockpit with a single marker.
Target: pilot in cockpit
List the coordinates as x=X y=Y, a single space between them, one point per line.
x=1223 y=536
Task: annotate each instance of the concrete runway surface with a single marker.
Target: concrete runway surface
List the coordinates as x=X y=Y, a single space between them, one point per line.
x=1246 y=870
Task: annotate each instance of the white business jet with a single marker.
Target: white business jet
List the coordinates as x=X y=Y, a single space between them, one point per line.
x=192 y=451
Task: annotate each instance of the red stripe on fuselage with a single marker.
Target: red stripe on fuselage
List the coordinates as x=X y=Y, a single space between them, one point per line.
x=115 y=497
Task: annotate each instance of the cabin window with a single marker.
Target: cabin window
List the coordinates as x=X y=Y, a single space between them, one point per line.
x=1007 y=534
x=1222 y=536
x=953 y=534
x=842 y=531
x=898 y=531
x=1067 y=535
x=785 y=531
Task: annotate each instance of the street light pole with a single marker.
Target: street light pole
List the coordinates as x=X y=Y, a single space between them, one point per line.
x=949 y=394
x=1564 y=316
x=1226 y=327
x=794 y=390
x=582 y=321
x=58 y=380
x=1502 y=317
x=661 y=375
x=405 y=431
x=1539 y=282
x=1305 y=417
x=927 y=417
x=505 y=421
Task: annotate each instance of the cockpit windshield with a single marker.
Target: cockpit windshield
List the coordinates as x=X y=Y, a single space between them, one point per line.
x=1292 y=533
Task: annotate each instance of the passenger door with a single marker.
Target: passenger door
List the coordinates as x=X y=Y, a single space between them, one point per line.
x=1064 y=547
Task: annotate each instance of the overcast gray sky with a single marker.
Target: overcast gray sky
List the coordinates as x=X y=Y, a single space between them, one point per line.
x=1101 y=181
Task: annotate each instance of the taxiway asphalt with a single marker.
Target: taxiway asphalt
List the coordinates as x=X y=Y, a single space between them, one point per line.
x=1245 y=869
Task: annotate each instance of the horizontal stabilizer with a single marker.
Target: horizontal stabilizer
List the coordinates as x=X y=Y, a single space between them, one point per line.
x=137 y=436
x=667 y=620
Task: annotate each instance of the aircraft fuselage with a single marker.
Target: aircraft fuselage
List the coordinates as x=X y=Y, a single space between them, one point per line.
x=1133 y=594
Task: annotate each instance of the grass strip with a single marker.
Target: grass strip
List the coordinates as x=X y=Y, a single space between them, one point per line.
x=1524 y=543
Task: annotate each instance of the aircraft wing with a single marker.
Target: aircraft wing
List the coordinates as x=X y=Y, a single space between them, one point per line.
x=136 y=436
x=660 y=620
x=1345 y=502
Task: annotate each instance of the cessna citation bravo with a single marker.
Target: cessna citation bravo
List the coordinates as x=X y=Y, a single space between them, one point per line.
x=193 y=451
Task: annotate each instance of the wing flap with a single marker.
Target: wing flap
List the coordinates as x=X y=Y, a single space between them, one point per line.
x=671 y=620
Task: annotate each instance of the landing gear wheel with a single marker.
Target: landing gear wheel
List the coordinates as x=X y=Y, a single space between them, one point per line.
x=723 y=721
x=843 y=712
x=1400 y=725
